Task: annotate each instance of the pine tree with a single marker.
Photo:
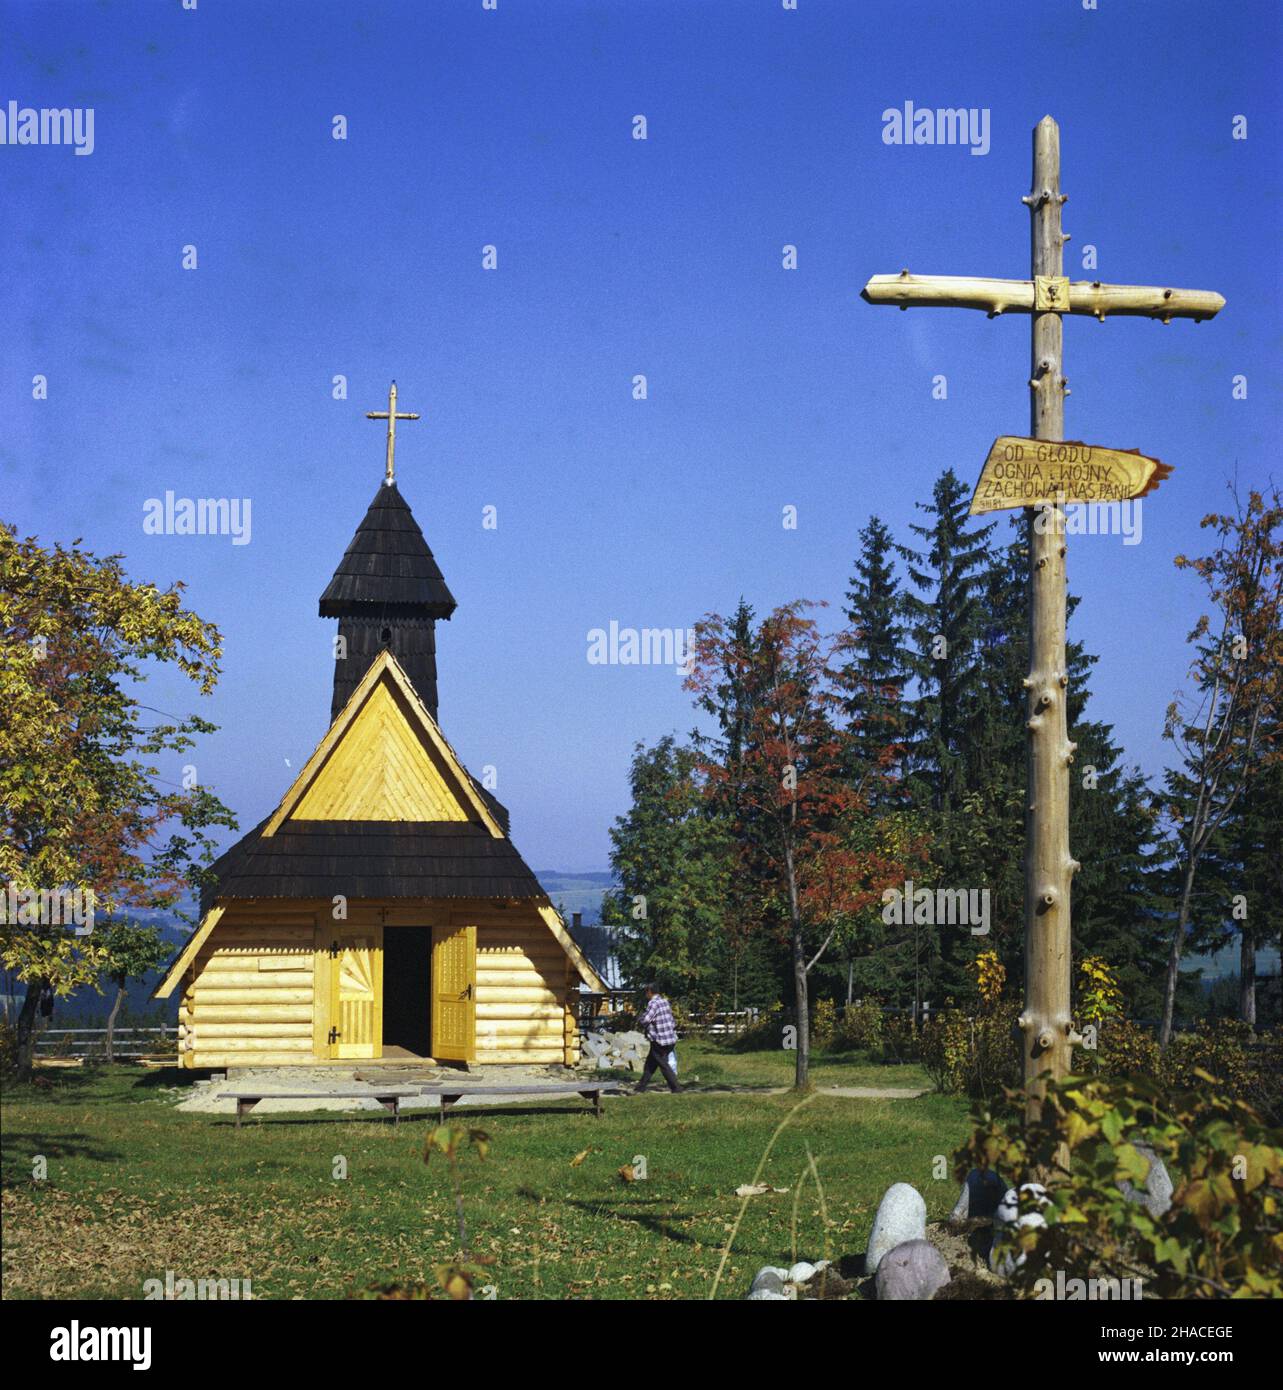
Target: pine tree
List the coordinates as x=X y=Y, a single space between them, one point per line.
x=945 y=623
x=946 y=626
x=876 y=672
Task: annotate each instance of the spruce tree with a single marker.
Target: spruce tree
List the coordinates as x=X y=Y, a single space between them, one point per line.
x=876 y=671
x=945 y=621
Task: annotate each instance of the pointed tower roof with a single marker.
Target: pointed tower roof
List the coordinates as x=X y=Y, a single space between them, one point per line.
x=388 y=565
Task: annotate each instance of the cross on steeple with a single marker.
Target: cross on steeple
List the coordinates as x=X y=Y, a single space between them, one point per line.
x=391 y=415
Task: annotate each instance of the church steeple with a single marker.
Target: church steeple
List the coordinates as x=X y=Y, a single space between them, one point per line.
x=387 y=591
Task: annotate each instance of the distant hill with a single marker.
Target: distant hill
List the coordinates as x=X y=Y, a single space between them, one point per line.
x=576 y=892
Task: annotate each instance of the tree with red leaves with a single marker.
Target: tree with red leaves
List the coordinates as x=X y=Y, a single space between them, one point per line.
x=781 y=764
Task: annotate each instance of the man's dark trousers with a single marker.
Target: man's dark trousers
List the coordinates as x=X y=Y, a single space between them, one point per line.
x=658 y=1057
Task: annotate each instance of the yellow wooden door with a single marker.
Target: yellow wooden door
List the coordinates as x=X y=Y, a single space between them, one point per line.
x=356 y=992
x=454 y=993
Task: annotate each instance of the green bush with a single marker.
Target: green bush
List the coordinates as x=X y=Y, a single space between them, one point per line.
x=1123 y=1048
x=1223 y=1048
x=861 y=1026
x=824 y=1023
x=1246 y=1068
x=972 y=1054
x=901 y=1039
x=1223 y=1234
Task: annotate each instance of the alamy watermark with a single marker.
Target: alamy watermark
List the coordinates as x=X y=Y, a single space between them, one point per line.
x=938 y=907
x=76 y=1343
x=1074 y=1290
x=951 y=125
x=48 y=907
x=647 y=646
x=173 y=1288
x=1125 y=519
x=198 y=516
x=48 y=125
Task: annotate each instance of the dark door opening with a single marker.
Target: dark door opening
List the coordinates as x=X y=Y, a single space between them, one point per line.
x=407 y=990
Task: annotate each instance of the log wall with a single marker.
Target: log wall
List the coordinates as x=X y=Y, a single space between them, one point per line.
x=249 y=997
x=522 y=987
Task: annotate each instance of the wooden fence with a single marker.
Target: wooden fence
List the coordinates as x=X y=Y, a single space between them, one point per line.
x=92 y=1042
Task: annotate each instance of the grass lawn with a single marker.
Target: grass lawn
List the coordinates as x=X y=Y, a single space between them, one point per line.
x=136 y=1188
x=715 y=1065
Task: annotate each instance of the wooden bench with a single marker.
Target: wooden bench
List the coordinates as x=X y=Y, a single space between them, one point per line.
x=451 y=1092
x=247 y=1100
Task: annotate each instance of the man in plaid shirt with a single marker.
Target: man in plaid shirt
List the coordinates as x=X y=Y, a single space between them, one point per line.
x=656 y=1022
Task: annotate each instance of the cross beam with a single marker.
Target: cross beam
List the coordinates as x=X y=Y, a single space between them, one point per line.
x=1046 y=1027
x=1018 y=296
x=391 y=415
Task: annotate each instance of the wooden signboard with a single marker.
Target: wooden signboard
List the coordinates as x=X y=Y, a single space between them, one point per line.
x=1029 y=472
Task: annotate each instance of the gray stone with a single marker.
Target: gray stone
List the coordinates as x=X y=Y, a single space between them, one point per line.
x=912 y=1271
x=980 y=1195
x=802 y=1272
x=767 y=1296
x=770 y=1278
x=1156 y=1195
x=622 y=1051
x=902 y=1216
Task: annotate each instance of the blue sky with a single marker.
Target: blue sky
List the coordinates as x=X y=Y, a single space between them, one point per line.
x=767 y=388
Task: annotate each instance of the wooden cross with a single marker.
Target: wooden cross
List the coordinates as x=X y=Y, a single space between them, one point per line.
x=1047 y=1031
x=391 y=415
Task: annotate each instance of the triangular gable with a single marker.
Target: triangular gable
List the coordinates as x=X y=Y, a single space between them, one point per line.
x=381 y=769
x=384 y=758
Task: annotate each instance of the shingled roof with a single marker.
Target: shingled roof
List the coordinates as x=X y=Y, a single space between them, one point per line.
x=388 y=564
x=372 y=859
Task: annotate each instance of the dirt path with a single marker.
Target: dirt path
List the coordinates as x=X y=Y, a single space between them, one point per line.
x=862 y=1092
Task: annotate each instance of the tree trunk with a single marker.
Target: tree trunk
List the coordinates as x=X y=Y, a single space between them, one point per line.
x=850 y=981
x=803 y=1013
x=27 y=1020
x=799 y=978
x=1174 y=957
x=1247 y=978
x=111 y=1020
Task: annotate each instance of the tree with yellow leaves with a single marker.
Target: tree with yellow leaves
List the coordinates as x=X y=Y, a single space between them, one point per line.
x=86 y=814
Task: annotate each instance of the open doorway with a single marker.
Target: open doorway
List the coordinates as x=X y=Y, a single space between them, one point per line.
x=407 y=991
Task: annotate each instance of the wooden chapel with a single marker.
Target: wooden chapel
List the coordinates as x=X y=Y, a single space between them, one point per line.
x=381 y=910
